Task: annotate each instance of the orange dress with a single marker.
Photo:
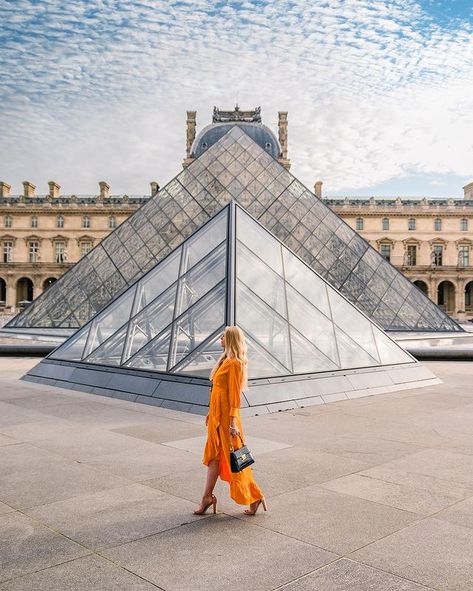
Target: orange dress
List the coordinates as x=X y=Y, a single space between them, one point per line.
x=224 y=403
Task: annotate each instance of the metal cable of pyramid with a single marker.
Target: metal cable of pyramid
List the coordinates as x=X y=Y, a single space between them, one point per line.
x=158 y=340
x=235 y=167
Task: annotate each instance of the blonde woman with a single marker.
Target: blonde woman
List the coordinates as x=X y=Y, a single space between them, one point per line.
x=229 y=378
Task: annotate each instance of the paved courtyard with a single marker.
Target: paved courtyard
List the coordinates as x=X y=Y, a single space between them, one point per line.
x=371 y=494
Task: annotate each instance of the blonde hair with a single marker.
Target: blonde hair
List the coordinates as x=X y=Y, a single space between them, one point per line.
x=235 y=348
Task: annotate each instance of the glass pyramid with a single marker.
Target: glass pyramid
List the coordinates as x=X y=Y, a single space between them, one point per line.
x=236 y=168
x=232 y=270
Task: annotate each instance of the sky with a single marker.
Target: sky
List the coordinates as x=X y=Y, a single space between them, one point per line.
x=379 y=92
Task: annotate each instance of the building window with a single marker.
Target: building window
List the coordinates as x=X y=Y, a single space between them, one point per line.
x=464 y=225
x=359 y=223
x=411 y=224
x=34 y=221
x=85 y=247
x=8 y=221
x=411 y=255
x=385 y=223
x=60 y=251
x=437 y=224
x=33 y=252
x=60 y=221
x=8 y=252
x=437 y=254
x=112 y=222
x=86 y=221
x=463 y=255
x=385 y=251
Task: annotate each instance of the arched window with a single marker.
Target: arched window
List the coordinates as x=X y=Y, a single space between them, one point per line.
x=411 y=223
x=437 y=224
x=385 y=223
x=8 y=221
x=112 y=222
x=34 y=221
x=464 y=225
x=60 y=221
x=359 y=223
x=86 y=221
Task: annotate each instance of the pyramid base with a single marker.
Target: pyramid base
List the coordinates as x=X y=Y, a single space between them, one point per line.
x=262 y=396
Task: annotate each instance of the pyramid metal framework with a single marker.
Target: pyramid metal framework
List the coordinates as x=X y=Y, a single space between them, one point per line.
x=229 y=271
x=236 y=168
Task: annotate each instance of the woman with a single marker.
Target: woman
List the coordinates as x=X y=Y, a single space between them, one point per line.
x=224 y=428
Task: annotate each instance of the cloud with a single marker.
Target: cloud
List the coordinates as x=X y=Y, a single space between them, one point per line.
x=97 y=89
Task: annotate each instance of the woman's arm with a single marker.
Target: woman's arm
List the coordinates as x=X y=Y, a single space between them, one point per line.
x=234 y=389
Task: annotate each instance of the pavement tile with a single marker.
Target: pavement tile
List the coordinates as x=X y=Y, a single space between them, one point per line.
x=420 y=494
x=460 y=514
x=438 y=463
x=432 y=552
x=113 y=517
x=294 y=468
x=144 y=461
x=26 y=546
x=347 y=575
x=30 y=476
x=219 y=554
x=370 y=450
x=161 y=429
x=90 y=573
x=13 y=415
x=339 y=523
x=6 y=440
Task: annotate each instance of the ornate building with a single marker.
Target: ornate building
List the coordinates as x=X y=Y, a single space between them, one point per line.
x=42 y=236
x=429 y=240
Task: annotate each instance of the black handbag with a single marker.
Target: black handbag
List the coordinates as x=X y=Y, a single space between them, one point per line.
x=240 y=458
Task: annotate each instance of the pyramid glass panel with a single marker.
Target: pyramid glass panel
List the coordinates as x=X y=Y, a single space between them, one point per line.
x=157 y=281
x=201 y=361
x=235 y=167
x=155 y=356
x=111 y=351
x=262 y=362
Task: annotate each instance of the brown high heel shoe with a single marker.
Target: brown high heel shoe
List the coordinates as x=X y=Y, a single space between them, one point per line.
x=212 y=502
x=261 y=501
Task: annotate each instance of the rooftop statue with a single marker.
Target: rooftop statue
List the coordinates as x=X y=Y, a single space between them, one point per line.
x=236 y=115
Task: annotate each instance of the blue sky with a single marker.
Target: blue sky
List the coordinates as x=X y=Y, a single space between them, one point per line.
x=378 y=92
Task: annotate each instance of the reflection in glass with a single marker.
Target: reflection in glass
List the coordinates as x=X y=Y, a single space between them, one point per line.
x=258 y=320
x=256 y=239
x=204 y=241
x=306 y=282
x=200 y=279
x=261 y=279
x=201 y=361
x=195 y=325
x=110 y=320
x=150 y=322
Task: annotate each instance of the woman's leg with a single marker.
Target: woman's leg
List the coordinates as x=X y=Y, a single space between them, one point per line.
x=212 y=475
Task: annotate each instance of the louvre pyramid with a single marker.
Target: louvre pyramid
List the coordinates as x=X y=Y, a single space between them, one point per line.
x=232 y=270
x=236 y=168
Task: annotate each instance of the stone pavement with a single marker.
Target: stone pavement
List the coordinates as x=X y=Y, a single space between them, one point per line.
x=370 y=494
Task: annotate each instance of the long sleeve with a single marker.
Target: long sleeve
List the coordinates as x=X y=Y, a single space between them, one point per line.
x=234 y=387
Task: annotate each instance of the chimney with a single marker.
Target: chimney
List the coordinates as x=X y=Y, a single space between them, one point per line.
x=4 y=189
x=282 y=127
x=54 y=189
x=190 y=136
x=104 y=190
x=468 y=191
x=28 y=189
x=318 y=189
x=154 y=188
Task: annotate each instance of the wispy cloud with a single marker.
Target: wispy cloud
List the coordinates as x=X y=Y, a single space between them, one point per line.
x=98 y=89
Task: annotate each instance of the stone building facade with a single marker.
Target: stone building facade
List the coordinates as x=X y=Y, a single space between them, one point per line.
x=42 y=236
x=429 y=240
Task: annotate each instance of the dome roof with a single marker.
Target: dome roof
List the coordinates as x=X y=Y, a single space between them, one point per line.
x=258 y=132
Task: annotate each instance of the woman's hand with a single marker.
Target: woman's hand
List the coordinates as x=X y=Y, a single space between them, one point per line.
x=234 y=431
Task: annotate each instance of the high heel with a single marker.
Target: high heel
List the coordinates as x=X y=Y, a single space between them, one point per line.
x=203 y=511
x=261 y=501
